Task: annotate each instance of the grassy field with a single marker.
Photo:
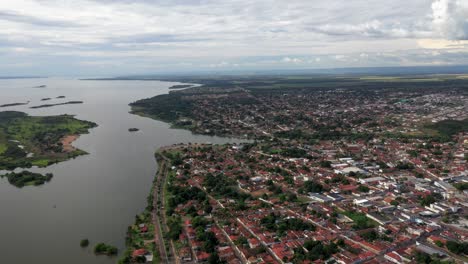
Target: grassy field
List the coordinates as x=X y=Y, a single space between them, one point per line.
x=40 y=137
x=40 y=162
x=3 y=148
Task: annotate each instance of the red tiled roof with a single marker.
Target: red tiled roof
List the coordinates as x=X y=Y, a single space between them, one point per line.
x=393 y=256
x=202 y=256
x=139 y=252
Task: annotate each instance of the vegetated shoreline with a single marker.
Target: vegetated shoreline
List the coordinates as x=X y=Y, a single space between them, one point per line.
x=167 y=116
x=144 y=229
x=181 y=86
x=52 y=105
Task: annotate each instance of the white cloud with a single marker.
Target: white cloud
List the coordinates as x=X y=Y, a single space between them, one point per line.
x=443 y=44
x=291 y=60
x=228 y=33
x=340 y=57
x=450 y=18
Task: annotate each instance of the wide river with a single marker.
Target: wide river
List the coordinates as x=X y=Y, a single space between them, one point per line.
x=95 y=196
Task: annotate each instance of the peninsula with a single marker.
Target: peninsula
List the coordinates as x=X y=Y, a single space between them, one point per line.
x=180 y=86
x=27 y=141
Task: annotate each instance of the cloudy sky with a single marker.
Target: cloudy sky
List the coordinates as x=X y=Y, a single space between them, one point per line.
x=100 y=37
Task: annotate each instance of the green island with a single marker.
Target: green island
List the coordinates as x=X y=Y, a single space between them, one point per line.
x=104 y=249
x=13 y=104
x=84 y=243
x=51 y=105
x=27 y=178
x=27 y=141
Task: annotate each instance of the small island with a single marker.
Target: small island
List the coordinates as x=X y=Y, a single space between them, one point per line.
x=27 y=141
x=104 y=249
x=51 y=105
x=60 y=97
x=84 y=243
x=13 y=104
x=27 y=178
x=180 y=86
x=133 y=129
x=46 y=99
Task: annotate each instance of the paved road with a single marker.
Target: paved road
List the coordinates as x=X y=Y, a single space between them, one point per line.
x=160 y=219
x=158 y=236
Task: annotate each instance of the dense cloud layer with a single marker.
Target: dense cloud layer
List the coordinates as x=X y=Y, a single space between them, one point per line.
x=144 y=36
x=450 y=18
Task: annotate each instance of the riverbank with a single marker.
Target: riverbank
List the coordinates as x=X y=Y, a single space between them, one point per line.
x=145 y=239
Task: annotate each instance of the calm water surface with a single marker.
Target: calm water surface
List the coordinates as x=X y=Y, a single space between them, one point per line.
x=94 y=196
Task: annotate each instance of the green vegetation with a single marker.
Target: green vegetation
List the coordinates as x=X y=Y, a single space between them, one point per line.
x=274 y=223
x=175 y=227
x=461 y=186
x=311 y=186
x=361 y=221
x=27 y=178
x=325 y=164
x=424 y=258
x=141 y=232
x=459 y=248
x=448 y=128
x=104 y=249
x=166 y=107
x=181 y=86
x=27 y=141
x=363 y=188
x=315 y=250
x=405 y=166
x=372 y=235
x=181 y=195
x=209 y=240
x=3 y=148
x=430 y=199
x=84 y=243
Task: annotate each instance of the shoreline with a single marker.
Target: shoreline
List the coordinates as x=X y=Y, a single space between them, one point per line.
x=67 y=143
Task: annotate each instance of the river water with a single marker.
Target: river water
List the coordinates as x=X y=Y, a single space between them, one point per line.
x=95 y=196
